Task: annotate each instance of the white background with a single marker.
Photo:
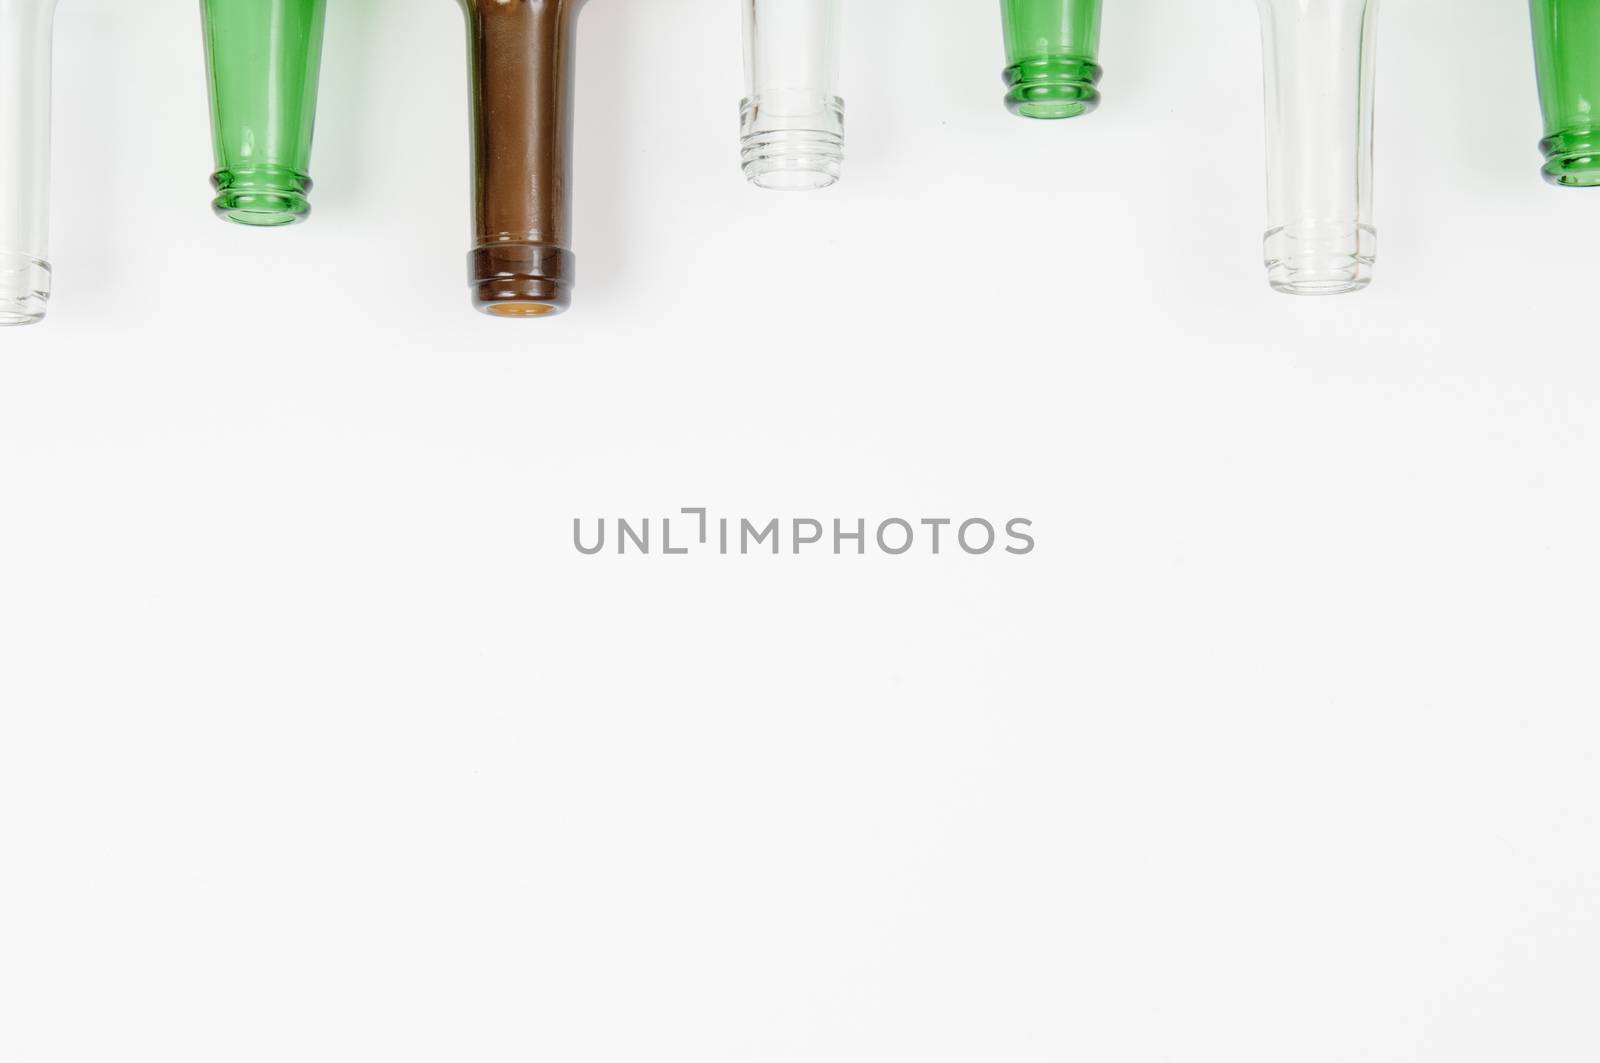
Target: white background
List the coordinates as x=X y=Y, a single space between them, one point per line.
x=319 y=741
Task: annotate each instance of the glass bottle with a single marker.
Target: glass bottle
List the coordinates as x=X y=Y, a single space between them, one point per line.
x=1319 y=80
x=1566 y=46
x=791 y=119
x=1051 y=51
x=263 y=58
x=521 y=54
x=25 y=42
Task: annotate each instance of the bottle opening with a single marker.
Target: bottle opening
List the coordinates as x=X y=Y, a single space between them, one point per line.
x=263 y=197
x=1572 y=158
x=519 y=309
x=24 y=289
x=1052 y=87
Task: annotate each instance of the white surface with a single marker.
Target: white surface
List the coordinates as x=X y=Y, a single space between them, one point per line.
x=319 y=742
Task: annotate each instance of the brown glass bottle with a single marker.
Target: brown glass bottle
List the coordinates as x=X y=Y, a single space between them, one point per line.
x=520 y=55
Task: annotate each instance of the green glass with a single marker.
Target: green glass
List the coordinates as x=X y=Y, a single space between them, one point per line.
x=1051 y=51
x=1566 y=47
x=263 y=58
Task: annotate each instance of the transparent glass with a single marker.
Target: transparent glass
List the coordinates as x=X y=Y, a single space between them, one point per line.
x=25 y=42
x=263 y=58
x=792 y=119
x=520 y=56
x=1319 y=79
x=1051 y=52
x=1566 y=46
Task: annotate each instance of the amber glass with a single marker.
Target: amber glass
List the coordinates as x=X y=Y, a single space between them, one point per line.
x=520 y=54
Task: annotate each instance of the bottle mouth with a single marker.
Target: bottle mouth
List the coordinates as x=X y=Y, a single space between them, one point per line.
x=1052 y=87
x=792 y=140
x=24 y=289
x=1320 y=258
x=1326 y=278
x=261 y=196
x=518 y=281
x=1572 y=158
x=514 y=307
x=793 y=160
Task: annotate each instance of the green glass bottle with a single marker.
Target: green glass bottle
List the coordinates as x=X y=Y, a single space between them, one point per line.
x=263 y=58
x=1566 y=47
x=1051 y=51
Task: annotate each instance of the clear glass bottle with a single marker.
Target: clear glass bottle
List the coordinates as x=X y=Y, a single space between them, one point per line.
x=792 y=119
x=520 y=55
x=1566 y=46
x=1319 y=79
x=1052 y=47
x=25 y=43
x=264 y=59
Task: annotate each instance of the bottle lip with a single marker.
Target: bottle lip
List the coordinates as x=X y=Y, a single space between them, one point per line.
x=24 y=288
x=261 y=196
x=521 y=280
x=1052 y=86
x=261 y=210
x=1320 y=256
x=1572 y=158
x=792 y=159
